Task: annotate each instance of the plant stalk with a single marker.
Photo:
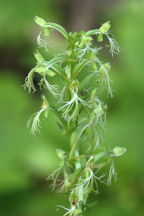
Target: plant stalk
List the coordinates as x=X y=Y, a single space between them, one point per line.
x=79 y=189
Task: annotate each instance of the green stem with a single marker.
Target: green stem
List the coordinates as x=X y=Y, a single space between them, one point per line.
x=76 y=142
x=75 y=181
x=80 y=189
x=80 y=69
x=77 y=73
x=61 y=74
x=62 y=121
x=82 y=156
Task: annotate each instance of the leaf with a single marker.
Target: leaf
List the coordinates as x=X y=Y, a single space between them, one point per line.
x=58 y=28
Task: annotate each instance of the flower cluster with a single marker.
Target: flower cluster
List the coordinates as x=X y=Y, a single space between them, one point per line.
x=83 y=77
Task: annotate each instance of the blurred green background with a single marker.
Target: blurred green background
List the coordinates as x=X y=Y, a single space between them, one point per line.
x=26 y=160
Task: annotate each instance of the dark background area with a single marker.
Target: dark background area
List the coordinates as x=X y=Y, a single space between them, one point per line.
x=25 y=160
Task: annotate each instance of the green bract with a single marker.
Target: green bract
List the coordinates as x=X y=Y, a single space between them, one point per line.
x=82 y=77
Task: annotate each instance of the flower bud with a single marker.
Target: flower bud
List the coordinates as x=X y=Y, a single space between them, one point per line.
x=60 y=153
x=118 y=151
x=105 y=27
x=40 y=21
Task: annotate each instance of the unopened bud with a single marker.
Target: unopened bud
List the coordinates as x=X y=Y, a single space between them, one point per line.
x=118 y=151
x=40 y=21
x=105 y=27
x=60 y=153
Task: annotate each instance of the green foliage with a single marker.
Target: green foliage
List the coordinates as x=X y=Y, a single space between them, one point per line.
x=79 y=108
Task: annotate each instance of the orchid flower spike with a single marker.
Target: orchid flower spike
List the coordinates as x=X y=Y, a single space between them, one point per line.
x=81 y=78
